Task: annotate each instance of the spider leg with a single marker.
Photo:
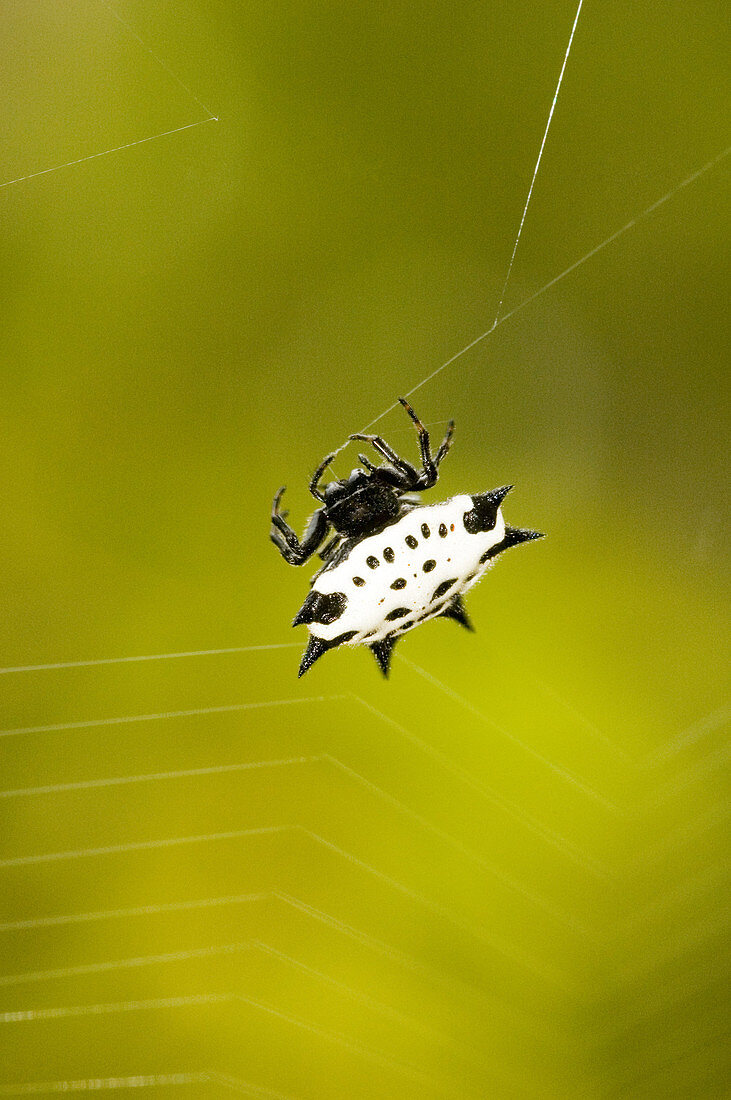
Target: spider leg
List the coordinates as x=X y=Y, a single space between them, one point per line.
x=395 y=478
x=387 y=474
x=445 y=444
x=329 y=546
x=317 y=475
x=296 y=551
x=387 y=452
x=365 y=461
x=429 y=474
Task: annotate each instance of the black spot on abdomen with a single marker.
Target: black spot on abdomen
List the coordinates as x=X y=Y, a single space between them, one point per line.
x=372 y=561
x=442 y=530
x=425 y=530
x=400 y=582
x=444 y=587
x=358 y=581
x=429 y=565
x=411 y=541
x=388 y=553
x=398 y=613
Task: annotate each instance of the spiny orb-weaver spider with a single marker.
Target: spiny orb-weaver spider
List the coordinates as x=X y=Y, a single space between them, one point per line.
x=391 y=562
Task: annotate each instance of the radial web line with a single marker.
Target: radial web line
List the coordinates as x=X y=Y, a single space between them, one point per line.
x=709 y=164
x=345 y=769
x=66 y=1011
x=151 y=777
x=148 y=657
x=213 y=950
x=32 y=976
x=106 y=152
x=693 y=733
x=229 y=708
x=362 y=998
x=491 y=868
x=518 y=813
x=98 y=1084
x=132 y=911
x=496 y=943
x=684 y=779
x=204 y=999
x=380 y=947
x=142 y=845
x=563 y=772
x=376 y=1056
x=538 y=163
x=159 y=60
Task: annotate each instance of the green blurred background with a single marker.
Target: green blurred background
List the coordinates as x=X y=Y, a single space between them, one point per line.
x=500 y=873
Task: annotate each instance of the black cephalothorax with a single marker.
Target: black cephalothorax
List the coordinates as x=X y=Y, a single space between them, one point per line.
x=364 y=503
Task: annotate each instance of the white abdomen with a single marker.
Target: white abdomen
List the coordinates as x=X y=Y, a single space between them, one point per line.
x=407 y=573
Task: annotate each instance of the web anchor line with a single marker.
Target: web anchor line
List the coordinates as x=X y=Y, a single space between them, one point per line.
x=147 y=657
x=163 y=64
x=106 y=152
x=538 y=163
x=704 y=168
x=494 y=325
x=130 y=144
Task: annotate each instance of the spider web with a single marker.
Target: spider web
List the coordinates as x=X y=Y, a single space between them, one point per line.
x=467 y=885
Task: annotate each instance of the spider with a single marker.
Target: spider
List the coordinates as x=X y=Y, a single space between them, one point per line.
x=366 y=502
x=391 y=562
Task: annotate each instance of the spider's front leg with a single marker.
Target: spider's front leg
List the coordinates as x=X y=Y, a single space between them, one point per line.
x=401 y=473
x=292 y=549
x=429 y=473
x=404 y=474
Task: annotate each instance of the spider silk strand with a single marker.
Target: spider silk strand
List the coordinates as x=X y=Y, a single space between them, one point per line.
x=709 y=164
